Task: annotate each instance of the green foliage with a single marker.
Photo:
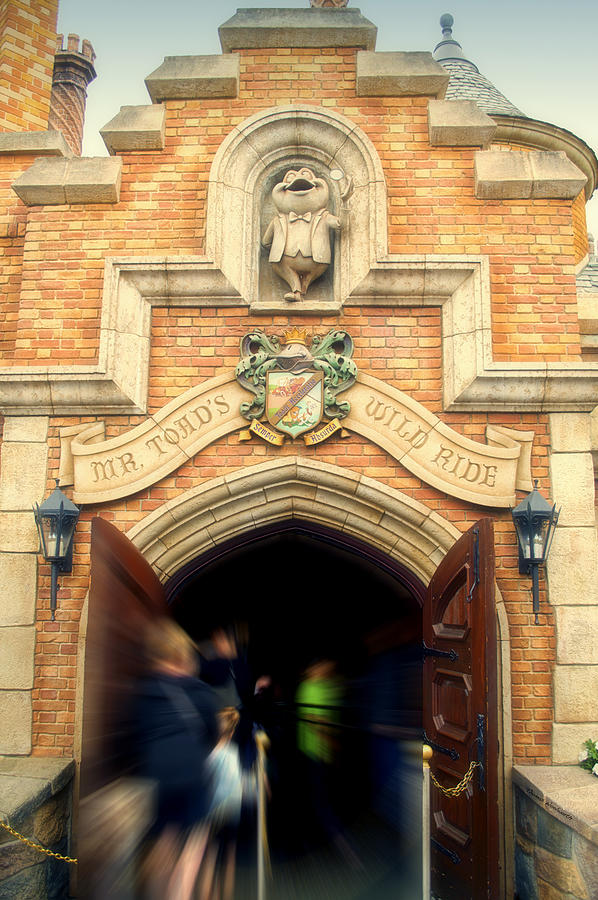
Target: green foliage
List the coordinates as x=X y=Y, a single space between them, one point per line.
x=588 y=758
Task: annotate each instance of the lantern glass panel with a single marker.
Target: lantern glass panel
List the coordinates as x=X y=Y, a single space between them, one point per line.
x=56 y=539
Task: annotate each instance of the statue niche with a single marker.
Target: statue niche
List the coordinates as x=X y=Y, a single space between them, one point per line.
x=299 y=234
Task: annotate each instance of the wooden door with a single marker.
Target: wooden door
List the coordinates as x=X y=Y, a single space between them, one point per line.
x=124 y=594
x=460 y=717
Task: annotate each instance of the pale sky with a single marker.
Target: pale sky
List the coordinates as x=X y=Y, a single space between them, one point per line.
x=540 y=53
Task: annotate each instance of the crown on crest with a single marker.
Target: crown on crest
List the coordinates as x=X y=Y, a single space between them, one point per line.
x=295 y=336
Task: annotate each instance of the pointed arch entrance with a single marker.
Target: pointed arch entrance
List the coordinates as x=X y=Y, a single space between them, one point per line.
x=397 y=527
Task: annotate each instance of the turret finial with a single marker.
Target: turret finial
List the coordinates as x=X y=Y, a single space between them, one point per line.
x=446 y=23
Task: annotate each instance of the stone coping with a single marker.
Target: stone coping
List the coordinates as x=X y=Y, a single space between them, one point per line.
x=524 y=132
x=253 y=29
x=568 y=793
x=194 y=78
x=40 y=143
x=50 y=182
x=28 y=781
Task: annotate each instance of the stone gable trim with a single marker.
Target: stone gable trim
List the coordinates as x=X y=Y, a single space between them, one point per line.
x=135 y=128
x=257 y=29
x=38 y=143
x=399 y=74
x=533 y=133
x=194 y=78
x=516 y=174
x=459 y=123
x=50 y=182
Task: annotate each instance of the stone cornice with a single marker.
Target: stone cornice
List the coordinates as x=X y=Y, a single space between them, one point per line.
x=535 y=134
x=472 y=380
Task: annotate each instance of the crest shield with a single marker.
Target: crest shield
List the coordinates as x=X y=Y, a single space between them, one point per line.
x=294 y=401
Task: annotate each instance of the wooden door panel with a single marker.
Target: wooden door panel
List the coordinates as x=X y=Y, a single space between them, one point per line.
x=124 y=595
x=460 y=717
x=451 y=705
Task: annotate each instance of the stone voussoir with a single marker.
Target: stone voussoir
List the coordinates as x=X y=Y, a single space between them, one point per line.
x=135 y=128
x=517 y=174
x=399 y=74
x=76 y=180
x=264 y=28
x=459 y=123
x=194 y=78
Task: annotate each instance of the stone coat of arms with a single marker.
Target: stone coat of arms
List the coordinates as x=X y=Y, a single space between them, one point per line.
x=294 y=386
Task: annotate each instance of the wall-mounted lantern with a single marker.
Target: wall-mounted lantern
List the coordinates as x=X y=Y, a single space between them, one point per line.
x=535 y=520
x=56 y=519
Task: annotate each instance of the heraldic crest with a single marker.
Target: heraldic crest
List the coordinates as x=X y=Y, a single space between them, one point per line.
x=294 y=386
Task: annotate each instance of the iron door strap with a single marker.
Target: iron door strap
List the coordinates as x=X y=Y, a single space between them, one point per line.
x=454 y=857
x=481 y=742
x=448 y=751
x=433 y=651
x=476 y=562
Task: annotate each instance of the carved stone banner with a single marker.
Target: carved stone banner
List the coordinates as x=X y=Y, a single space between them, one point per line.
x=107 y=470
x=486 y=474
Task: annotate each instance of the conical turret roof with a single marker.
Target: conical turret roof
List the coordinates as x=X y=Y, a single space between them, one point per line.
x=467 y=82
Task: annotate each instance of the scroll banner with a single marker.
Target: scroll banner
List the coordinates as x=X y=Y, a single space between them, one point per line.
x=485 y=474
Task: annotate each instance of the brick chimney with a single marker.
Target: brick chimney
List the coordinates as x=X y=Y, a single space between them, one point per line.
x=73 y=71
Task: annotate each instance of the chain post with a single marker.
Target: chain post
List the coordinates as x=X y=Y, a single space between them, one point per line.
x=427 y=753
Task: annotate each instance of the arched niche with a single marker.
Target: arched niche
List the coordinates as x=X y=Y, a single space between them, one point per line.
x=252 y=158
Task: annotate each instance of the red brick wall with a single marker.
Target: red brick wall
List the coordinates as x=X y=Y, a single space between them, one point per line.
x=27 y=44
x=431 y=209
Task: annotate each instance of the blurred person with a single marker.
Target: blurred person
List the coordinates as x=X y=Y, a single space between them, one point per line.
x=318 y=699
x=176 y=729
x=217 y=880
x=224 y=666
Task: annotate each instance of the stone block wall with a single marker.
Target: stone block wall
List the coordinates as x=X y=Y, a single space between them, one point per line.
x=36 y=800
x=552 y=859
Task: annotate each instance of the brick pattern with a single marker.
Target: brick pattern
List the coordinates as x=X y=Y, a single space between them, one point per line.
x=27 y=43
x=52 y=307
x=432 y=208
x=580 y=227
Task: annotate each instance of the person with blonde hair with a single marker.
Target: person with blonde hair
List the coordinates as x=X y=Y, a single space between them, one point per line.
x=176 y=731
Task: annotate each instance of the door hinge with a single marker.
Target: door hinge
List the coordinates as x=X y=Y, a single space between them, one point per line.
x=448 y=751
x=481 y=742
x=476 y=562
x=454 y=857
x=432 y=651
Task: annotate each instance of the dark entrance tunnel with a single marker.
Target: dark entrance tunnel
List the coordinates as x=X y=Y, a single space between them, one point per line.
x=294 y=595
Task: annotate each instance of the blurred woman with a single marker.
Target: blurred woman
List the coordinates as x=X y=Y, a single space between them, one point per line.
x=176 y=730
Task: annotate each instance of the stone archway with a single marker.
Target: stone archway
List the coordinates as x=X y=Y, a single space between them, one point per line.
x=403 y=528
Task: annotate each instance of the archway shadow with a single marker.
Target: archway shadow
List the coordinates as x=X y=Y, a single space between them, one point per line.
x=295 y=593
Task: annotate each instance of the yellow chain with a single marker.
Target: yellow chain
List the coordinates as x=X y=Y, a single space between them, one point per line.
x=21 y=837
x=458 y=788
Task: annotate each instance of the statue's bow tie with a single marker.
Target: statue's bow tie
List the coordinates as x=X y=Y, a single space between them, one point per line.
x=293 y=217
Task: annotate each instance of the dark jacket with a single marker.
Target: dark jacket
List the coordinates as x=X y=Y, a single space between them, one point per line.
x=176 y=730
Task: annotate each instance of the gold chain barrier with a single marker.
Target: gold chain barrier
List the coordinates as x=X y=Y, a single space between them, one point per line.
x=38 y=847
x=458 y=788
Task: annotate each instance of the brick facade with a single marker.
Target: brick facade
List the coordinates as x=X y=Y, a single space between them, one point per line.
x=52 y=281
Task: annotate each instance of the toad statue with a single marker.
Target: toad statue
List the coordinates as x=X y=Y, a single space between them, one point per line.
x=299 y=235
